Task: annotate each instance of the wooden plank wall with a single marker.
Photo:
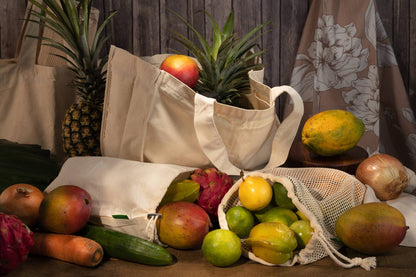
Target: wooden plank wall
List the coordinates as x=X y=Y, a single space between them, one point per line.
x=142 y=27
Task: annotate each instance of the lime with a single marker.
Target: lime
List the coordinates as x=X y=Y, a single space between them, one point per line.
x=221 y=247
x=303 y=232
x=255 y=193
x=260 y=214
x=279 y=214
x=301 y=215
x=281 y=198
x=240 y=221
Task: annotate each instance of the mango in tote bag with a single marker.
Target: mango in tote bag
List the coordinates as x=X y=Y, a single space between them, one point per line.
x=151 y=116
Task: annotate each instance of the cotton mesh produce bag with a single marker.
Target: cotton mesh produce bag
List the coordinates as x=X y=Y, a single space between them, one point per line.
x=322 y=195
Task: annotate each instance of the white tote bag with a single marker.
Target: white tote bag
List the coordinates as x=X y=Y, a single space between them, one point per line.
x=35 y=88
x=33 y=97
x=151 y=116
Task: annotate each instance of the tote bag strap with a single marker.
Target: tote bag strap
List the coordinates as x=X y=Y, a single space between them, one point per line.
x=208 y=136
x=213 y=145
x=27 y=48
x=287 y=130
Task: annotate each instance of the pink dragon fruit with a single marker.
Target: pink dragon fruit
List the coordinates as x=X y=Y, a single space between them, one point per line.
x=16 y=240
x=214 y=185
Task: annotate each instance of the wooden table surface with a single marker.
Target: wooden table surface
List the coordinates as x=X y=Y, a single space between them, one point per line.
x=399 y=262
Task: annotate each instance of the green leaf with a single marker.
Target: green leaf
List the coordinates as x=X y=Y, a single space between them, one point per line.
x=101 y=28
x=205 y=46
x=228 y=26
x=56 y=27
x=216 y=37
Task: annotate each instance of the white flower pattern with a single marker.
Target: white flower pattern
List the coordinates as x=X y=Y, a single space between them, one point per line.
x=365 y=99
x=335 y=61
x=336 y=56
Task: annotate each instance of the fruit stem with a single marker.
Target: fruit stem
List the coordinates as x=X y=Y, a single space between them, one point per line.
x=242 y=174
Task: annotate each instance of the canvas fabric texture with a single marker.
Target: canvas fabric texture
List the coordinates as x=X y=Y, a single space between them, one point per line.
x=151 y=116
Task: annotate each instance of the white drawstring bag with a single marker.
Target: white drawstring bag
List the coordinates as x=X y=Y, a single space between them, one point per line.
x=322 y=195
x=151 y=116
x=125 y=194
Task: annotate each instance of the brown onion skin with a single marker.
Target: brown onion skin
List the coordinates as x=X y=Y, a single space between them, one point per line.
x=385 y=174
x=23 y=201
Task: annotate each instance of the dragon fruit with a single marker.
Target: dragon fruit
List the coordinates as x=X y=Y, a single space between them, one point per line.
x=16 y=240
x=214 y=185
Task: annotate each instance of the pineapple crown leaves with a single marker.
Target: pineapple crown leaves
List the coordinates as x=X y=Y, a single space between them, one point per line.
x=70 y=21
x=226 y=62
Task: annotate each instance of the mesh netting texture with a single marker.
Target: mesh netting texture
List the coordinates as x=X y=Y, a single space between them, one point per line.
x=322 y=195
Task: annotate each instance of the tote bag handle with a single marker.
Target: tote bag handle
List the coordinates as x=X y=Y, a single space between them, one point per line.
x=27 y=48
x=213 y=146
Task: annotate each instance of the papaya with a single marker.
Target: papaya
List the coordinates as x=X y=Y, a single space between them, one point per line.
x=371 y=228
x=332 y=132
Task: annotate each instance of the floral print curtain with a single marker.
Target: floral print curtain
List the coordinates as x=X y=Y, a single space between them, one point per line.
x=345 y=61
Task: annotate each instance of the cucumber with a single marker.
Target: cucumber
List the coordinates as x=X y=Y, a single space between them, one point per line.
x=127 y=247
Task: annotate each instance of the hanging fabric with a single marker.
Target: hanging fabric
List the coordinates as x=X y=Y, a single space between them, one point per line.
x=345 y=61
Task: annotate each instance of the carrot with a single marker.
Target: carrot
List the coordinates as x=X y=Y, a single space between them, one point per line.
x=69 y=248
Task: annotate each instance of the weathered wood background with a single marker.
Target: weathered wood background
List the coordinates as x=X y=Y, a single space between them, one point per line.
x=142 y=27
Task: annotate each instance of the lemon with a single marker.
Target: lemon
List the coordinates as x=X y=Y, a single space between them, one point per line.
x=240 y=221
x=255 y=193
x=221 y=247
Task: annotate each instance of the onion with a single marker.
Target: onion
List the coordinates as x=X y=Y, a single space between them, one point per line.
x=23 y=201
x=385 y=174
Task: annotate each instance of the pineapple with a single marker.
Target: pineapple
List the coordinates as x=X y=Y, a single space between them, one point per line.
x=70 y=20
x=224 y=65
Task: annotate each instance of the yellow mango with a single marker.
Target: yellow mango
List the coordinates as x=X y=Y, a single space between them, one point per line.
x=332 y=132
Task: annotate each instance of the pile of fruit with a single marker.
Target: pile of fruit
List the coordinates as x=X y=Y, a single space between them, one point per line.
x=56 y=224
x=268 y=221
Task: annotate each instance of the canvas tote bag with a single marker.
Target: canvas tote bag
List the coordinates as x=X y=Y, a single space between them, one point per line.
x=151 y=116
x=125 y=194
x=35 y=90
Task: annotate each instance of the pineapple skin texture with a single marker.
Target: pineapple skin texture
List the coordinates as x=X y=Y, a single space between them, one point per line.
x=332 y=132
x=81 y=130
